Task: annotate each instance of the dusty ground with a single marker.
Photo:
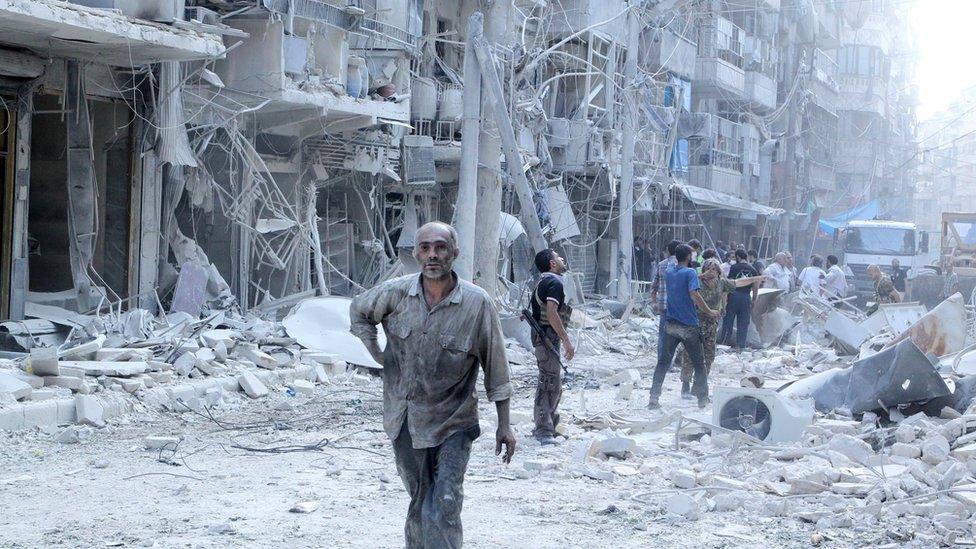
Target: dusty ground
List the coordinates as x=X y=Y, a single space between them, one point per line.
x=109 y=491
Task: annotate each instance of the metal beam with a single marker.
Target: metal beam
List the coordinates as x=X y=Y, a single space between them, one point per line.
x=18 y=248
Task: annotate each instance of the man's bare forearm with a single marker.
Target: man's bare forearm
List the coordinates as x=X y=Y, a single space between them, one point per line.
x=502 y=407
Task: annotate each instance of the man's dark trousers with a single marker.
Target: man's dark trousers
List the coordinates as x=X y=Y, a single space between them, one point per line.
x=738 y=309
x=691 y=338
x=434 y=479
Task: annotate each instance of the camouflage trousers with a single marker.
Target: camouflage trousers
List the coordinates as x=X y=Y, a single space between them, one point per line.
x=709 y=328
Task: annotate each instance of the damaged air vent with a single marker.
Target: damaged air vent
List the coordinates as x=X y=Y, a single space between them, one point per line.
x=418 y=160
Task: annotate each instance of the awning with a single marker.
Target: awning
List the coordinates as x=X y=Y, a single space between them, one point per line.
x=723 y=201
x=864 y=211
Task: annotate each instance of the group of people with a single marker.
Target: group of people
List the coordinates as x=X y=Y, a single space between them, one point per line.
x=690 y=291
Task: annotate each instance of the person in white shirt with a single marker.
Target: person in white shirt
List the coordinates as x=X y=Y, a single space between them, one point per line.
x=791 y=268
x=835 y=286
x=729 y=260
x=812 y=277
x=777 y=275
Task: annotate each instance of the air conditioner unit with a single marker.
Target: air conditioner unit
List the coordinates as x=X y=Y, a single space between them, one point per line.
x=761 y=413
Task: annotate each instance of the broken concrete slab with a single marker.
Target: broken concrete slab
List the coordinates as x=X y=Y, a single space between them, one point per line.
x=852 y=448
x=96 y=368
x=43 y=361
x=89 y=410
x=15 y=387
x=618 y=447
x=113 y=354
x=683 y=478
x=157 y=442
x=303 y=387
x=251 y=385
x=935 y=449
x=323 y=323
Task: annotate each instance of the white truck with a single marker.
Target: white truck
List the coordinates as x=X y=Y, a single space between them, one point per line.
x=878 y=242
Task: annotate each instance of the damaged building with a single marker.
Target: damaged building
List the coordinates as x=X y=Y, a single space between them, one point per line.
x=204 y=154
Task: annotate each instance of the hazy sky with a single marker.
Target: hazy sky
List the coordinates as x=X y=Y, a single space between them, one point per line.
x=946 y=37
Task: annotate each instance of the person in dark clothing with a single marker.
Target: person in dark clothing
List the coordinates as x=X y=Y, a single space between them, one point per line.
x=756 y=263
x=639 y=260
x=682 y=326
x=740 y=301
x=899 y=275
x=550 y=310
x=710 y=254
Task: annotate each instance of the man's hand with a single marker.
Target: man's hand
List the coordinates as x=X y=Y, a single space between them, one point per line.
x=568 y=349
x=712 y=313
x=504 y=436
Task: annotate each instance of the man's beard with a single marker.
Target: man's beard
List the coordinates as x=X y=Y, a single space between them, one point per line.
x=443 y=270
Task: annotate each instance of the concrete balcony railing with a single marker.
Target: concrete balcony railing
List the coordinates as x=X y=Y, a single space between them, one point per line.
x=667 y=50
x=717 y=178
x=760 y=90
x=712 y=72
x=820 y=176
x=862 y=93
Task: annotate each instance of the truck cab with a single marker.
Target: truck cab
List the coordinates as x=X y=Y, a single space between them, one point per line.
x=877 y=242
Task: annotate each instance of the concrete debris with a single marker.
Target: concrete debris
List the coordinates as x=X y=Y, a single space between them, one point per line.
x=89 y=410
x=161 y=442
x=303 y=387
x=304 y=507
x=15 y=387
x=616 y=447
x=251 y=385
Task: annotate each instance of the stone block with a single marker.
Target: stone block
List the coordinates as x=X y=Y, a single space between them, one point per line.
x=629 y=375
x=89 y=410
x=40 y=414
x=540 y=465
x=35 y=381
x=683 y=505
x=12 y=418
x=683 y=478
x=156 y=442
x=935 y=449
x=16 y=387
x=44 y=361
x=43 y=394
x=905 y=450
x=618 y=447
x=303 y=387
x=852 y=448
x=251 y=385
x=73 y=383
x=319 y=374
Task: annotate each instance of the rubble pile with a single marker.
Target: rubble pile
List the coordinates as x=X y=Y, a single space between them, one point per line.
x=87 y=369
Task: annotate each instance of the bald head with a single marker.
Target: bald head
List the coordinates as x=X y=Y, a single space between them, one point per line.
x=435 y=249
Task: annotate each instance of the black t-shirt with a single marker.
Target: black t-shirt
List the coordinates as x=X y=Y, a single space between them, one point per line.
x=742 y=270
x=550 y=286
x=898 y=277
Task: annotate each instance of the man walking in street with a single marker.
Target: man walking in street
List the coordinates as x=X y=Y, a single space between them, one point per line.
x=682 y=326
x=739 y=308
x=551 y=312
x=439 y=330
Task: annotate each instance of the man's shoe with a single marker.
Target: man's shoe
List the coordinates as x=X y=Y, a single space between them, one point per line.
x=653 y=404
x=686 y=391
x=703 y=402
x=547 y=440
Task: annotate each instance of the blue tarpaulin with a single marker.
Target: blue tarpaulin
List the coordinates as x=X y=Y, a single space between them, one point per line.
x=870 y=210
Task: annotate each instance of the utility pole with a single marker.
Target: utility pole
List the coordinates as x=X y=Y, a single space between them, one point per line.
x=467 y=198
x=497 y=28
x=791 y=185
x=631 y=96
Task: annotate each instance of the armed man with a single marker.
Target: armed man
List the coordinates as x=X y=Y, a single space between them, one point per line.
x=551 y=313
x=439 y=330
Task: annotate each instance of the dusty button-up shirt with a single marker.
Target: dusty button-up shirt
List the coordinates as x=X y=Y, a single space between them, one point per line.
x=430 y=364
